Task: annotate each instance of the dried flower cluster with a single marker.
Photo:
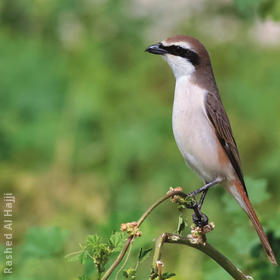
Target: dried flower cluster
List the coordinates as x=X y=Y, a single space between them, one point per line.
x=131 y=228
x=174 y=198
x=197 y=235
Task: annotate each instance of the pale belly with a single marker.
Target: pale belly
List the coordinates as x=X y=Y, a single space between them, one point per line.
x=194 y=132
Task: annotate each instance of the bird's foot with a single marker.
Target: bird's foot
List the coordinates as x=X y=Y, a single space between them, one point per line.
x=199 y=218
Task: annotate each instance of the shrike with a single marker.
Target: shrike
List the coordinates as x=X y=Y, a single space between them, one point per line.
x=200 y=124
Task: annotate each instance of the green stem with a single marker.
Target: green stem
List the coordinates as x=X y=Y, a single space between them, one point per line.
x=159 y=243
x=157 y=254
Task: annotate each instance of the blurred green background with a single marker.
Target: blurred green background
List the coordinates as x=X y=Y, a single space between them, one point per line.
x=85 y=130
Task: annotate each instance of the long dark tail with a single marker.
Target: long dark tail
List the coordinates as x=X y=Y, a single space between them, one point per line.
x=240 y=195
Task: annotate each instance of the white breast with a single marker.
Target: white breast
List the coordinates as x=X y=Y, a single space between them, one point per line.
x=193 y=130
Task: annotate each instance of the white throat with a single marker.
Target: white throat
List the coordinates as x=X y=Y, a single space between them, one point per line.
x=179 y=65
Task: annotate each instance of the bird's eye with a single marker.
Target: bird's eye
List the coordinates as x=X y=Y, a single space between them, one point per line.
x=183 y=52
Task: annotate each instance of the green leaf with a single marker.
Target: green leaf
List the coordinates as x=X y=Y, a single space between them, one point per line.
x=74 y=257
x=98 y=250
x=270 y=8
x=117 y=241
x=44 y=242
x=246 y=8
x=273 y=224
x=129 y=273
x=244 y=240
x=168 y=275
x=143 y=255
x=257 y=189
x=84 y=257
x=181 y=224
x=93 y=240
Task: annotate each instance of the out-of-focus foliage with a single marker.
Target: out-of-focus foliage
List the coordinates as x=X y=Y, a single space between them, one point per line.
x=263 y=8
x=97 y=251
x=86 y=140
x=38 y=253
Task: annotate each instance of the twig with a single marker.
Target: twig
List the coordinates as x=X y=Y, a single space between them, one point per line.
x=198 y=215
x=157 y=254
x=168 y=195
x=125 y=262
x=139 y=222
x=207 y=249
x=159 y=243
x=119 y=258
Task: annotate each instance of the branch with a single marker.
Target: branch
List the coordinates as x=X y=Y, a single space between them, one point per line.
x=199 y=219
x=210 y=251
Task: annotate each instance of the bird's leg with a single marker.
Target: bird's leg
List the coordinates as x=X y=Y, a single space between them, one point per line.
x=206 y=187
x=199 y=218
x=202 y=199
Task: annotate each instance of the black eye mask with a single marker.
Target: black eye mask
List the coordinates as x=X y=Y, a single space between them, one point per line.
x=185 y=53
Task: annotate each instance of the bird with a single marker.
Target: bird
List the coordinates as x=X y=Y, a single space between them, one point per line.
x=201 y=127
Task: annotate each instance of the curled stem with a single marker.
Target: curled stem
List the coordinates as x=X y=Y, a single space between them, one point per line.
x=149 y=210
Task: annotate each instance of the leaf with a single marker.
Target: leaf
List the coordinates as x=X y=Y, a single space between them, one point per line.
x=84 y=257
x=168 y=275
x=143 y=255
x=257 y=189
x=129 y=273
x=246 y=8
x=44 y=242
x=98 y=250
x=93 y=240
x=273 y=225
x=270 y=8
x=117 y=241
x=244 y=240
x=181 y=224
x=74 y=257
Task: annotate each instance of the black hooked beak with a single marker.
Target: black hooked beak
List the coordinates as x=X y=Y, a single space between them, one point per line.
x=156 y=49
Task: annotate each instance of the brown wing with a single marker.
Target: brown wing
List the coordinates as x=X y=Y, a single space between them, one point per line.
x=217 y=114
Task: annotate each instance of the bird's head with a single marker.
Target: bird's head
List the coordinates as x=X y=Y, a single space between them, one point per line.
x=183 y=53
